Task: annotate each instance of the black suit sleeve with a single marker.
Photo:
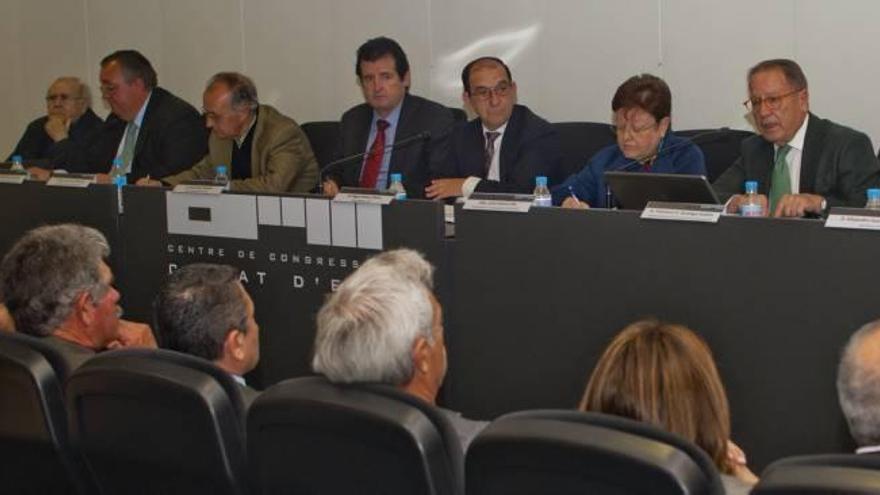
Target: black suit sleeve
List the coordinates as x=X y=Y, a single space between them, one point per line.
x=731 y=181
x=540 y=155
x=183 y=142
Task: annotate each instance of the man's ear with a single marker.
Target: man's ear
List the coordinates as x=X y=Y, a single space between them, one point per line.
x=83 y=308
x=420 y=355
x=233 y=345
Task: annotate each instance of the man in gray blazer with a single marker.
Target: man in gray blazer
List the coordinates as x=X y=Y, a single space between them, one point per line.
x=803 y=164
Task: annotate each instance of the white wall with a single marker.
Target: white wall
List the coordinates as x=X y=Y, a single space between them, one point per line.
x=568 y=56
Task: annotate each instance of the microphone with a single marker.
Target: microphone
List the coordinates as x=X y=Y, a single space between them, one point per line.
x=421 y=136
x=631 y=165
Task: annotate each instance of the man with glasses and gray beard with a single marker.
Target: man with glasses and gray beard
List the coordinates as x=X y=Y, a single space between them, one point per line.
x=57 y=287
x=858 y=387
x=803 y=164
x=384 y=325
x=502 y=150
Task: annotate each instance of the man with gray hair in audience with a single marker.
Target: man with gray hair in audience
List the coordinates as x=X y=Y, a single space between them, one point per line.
x=56 y=285
x=384 y=325
x=858 y=387
x=264 y=150
x=205 y=311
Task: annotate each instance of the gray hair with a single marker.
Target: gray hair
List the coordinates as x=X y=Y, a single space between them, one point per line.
x=858 y=388
x=82 y=89
x=46 y=270
x=242 y=89
x=198 y=306
x=367 y=328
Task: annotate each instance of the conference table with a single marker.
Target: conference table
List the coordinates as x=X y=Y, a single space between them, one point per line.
x=530 y=299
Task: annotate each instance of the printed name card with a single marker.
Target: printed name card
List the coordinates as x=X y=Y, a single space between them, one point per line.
x=361 y=195
x=682 y=212
x=516 y=203
x=11 y=177
x=199 y=187
x=853 y=218
x=71 y=180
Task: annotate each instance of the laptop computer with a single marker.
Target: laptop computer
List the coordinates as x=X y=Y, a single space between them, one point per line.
x=633 y=190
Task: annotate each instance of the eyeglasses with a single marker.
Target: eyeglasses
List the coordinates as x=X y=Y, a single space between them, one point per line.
x=107 y=89
x=61 y=97
x=623 y=128
x=772 y=101
x=500 y=90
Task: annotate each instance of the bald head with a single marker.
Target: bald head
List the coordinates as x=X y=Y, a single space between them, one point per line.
x=858 y=384
x=67 y=97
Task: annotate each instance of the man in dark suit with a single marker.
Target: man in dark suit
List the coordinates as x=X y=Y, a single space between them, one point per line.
x=203 y=310
x=387 y=126
x=60 y=137
x=505 y=148
x=154 y=132
x=805 y=164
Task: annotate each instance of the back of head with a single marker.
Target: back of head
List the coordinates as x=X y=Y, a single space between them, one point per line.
x=44 y=272
x=663 y=374
x=376 y=48
x=198 y=306
x=646 y=92
x=134 y=66
x=367 y=328
x=243 y=92
x=858 y=384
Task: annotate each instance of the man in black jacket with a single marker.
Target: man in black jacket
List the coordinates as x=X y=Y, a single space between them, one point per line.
x=505 y=148
x=153 y=132
x=54 y=140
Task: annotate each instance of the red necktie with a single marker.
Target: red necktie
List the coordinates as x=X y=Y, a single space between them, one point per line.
x=374 y=157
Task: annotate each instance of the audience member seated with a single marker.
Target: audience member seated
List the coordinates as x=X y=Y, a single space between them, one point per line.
x=642 y=121
x=664 y=374
x=204 y=310
x=62 y=135
x=384 y=325
x=56 y=286
x=858 y=387
x=502 y=150
x=263 y=150
x=378 y=127
x=802 y=162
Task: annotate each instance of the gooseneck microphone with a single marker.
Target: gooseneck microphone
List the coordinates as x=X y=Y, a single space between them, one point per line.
x=355 y=158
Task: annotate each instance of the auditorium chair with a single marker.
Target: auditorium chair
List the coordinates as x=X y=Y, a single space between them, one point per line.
x=157 y=421
x=721 y=147
x=323 y=136
x=307 y=435
x=838 y=474
x=35 y=452
x=580 y=141
x=570 y=452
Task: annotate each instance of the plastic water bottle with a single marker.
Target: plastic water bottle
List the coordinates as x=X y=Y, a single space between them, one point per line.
x=397 y=187
x=221 y=176
x=751 y=207
x=542 y=194
x=17 y=165
x=119 y=179
x=873 y=200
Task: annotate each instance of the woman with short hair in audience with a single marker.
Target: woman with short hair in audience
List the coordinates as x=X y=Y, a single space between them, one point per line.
x=664 y=374
x=642 y=108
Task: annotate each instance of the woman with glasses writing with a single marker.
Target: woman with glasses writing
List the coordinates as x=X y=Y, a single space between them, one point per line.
x=641 y=121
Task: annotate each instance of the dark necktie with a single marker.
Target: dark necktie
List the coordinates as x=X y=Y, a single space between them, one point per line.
x=489 y=152
x=374 y=158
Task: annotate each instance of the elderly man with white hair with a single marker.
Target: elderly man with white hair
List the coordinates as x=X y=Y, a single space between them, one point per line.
x=384 y=325
x=858 y=387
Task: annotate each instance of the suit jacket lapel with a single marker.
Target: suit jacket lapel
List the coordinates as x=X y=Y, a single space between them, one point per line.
x=397 y=155
x=144 y=131
x=814 y=143
x=259 y=129
x=509 y=143
x=764 y=168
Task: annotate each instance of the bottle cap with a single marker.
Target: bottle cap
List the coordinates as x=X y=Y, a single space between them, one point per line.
x=873 y=193
x=396 y=177
x=16 y=158
x=541 y=181
x=220 y=169
x=751 y=186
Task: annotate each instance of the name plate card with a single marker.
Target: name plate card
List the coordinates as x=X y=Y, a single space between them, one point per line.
x=199 y=187
x=682 y=212
x=853 y=218
x=72 y=180
x=516 y=203
x=10 y=177
x=367 y=196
